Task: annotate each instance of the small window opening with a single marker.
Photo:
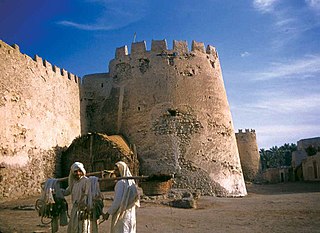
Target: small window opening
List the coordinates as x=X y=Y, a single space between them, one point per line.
x=172 y=112
x=101 y=84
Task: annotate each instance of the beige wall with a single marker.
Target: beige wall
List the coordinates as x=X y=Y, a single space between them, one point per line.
x=173 y=106
x=276 y=175
x=40 y=114
x=311 y=168
x=249 y=154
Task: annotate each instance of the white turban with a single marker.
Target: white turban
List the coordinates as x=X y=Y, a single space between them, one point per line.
x=74 y=167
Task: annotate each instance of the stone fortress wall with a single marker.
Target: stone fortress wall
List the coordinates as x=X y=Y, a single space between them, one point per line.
x=303 y=144
x=40 y=115
x=173 y=106
x=249 y=154
x=310 y=164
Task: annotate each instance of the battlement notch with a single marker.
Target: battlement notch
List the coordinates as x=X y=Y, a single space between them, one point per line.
x=180 y=46
x=138 y=48
x=38 y=59
x=197 y=46
x=240 y=131
x=16 y=47
x=212 y=50
x=56 y=69
x=121 y=52
x=159 y=46
x=47 y=64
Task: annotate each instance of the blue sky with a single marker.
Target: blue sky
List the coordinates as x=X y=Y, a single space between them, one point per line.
x=269 y=49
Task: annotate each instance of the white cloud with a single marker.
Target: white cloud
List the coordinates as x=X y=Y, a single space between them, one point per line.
x=264 y=6
x=280 y=120
x=308 y=66
x=289 y=103
x=278 y=134
x=245 y=54
x=314 y=4
x=284 y=22
x=87 y=27
x=290 y=21
x=281 y=104
x=114 y=15
x=279 y=115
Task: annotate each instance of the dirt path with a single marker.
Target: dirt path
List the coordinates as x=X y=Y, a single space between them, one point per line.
x=291 y=207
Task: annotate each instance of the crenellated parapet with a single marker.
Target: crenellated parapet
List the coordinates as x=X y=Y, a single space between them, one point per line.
x=57 y=70
x=160 y=46
x=180 y=46
x=121 y=52
x=247 y=131
x=41 y=63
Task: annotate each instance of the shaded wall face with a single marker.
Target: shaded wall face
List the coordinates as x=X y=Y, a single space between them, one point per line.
x=297 y=157
x=40 y=110
x=311 y=168
x=305 y=143
x=275 y=175
x=175 y=109
x=95 y=93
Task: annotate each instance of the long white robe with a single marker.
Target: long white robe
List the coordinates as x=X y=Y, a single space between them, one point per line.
x=123 y=207
x=83 y=194
x=79 y=193
x=123 y=219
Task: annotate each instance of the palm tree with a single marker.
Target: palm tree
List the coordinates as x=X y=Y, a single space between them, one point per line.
x=277 y=156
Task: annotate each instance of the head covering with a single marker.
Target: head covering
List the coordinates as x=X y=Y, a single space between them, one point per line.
x=74 y=167
x=124 y=169
x=77 y=166
x=130 y=195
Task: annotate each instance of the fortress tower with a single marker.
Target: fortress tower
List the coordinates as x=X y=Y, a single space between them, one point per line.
x=249 y=154
x=173 y=106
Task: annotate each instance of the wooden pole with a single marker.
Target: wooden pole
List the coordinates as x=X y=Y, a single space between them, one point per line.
x=109 y=178
x=125 y=178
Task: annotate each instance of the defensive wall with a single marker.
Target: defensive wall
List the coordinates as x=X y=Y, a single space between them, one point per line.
x=249 y=154
x=40 y=115
x=309 y=165
x=173 y=106
x=301 y=154
x=303 y=144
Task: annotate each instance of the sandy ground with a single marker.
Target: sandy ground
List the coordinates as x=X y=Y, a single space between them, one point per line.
x=288 y=207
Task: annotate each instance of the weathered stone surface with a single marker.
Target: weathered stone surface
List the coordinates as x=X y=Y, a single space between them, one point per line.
x=40 y=115
x=173 y=107
x=170 y=104
x=249 y=154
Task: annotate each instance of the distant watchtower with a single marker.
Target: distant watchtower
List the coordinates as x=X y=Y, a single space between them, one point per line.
x=173 y=106
x=249 y=154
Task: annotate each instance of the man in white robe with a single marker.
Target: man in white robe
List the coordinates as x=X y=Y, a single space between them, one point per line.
x=126 y=198
x=81 y=197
